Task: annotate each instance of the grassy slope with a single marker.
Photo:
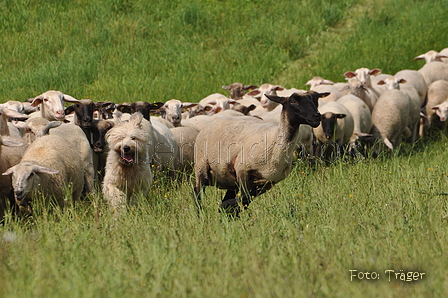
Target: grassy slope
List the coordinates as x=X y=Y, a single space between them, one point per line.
x=299 y=239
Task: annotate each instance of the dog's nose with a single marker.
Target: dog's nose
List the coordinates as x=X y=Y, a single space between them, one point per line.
x=126 y=148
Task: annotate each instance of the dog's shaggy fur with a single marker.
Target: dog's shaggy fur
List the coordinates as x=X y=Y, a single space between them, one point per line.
x=128 y=170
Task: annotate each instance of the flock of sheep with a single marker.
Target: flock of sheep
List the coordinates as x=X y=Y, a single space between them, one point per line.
x=244 y=143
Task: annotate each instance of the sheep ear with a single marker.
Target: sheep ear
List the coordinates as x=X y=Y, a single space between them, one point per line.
x=441 y=55
x=19 y=124
x=68 y=98
x=124 y=108
x=69 y=109
x=232 y=101
x=37 y=101
x=251 y=107
x=382 y=82
x=13 y=114
x=350 y=74
x=375 y=72
x=29 y=109
x=323 y=94
x=44 y=170
x=328 y=82
x=213 y=102
x=226 y=87
x=278 y=99
x=54 y=124
x=420 y=57
x=435 y=107
x=401 y=81
x=188 y=105
x=8 y=171
x=249 y=87
x=340 y=116
x=137 y=118
x=10 y=143
x=156 y=105
x=253 y=92
x=309 y=82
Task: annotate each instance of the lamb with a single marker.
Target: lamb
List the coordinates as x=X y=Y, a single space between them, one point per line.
x=51 y=105
x=250 y=155
x=389 y=121
x=49 y=166
x=362 y=118
x=437 y=94
x=336 y=128
x=414 y=102
x=128 y=170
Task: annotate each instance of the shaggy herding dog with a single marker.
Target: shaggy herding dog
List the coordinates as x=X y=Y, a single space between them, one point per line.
x=128 y=170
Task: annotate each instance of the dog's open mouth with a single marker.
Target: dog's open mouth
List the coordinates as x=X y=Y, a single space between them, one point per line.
x=127 y=158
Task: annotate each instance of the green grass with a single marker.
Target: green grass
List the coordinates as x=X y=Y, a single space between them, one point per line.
x=302 y=237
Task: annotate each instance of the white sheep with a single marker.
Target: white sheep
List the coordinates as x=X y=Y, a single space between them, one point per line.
x=414 y=102
x=389 y=121
x=415 y=79
x=362 y=117
x=437 y=94
x=319 y=84
x=51 y=104
x=434 y=71
x=250 y=155
x=50 y=166
x=357 y=88
x=431 y=56
x=185 y=138
x=335 y=129
x=217 y=103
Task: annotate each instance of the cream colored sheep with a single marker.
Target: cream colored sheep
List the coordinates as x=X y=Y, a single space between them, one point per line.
x=437 y=94
x=50 y=166
x=362 y=118
x=250 y=155
x=357 y=88
x=51 y=104
x=434 y=71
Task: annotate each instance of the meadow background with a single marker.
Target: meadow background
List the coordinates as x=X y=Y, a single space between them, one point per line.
x=301 y=238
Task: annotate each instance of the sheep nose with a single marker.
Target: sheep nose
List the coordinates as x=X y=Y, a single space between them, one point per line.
x=126 y=148
x=18 y=194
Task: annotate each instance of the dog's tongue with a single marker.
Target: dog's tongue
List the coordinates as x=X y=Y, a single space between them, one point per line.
x=128 y=157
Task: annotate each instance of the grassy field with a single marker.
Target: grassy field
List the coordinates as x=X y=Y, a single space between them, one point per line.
x=300 y=239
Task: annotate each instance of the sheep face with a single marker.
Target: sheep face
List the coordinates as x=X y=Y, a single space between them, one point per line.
x=52 y=104
x=36 y=127
x=24 y=179
x=441 y=110
x=100 y=128
x=83 y=112
x=329 y=123
x=301 y=108
x=392 y=83
x=173 y=110
x=127 y=138
x=363 y=74
x=237 y=90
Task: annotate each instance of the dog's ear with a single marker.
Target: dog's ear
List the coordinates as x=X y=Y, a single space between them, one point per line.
x=136 y=118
